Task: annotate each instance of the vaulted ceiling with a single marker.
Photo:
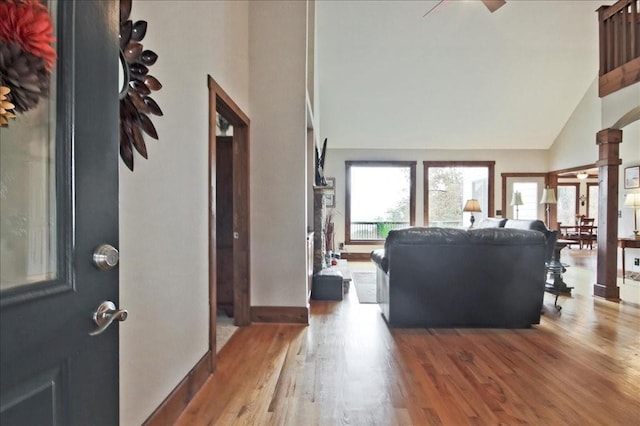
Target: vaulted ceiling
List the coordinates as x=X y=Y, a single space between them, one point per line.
x=459 y=78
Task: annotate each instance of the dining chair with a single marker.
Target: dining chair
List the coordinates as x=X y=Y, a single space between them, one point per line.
x=587 y=232
x=584 y=233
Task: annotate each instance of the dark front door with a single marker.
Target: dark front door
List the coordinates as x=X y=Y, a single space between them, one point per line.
x=58 y=203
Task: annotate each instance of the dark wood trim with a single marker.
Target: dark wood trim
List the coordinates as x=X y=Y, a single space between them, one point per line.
x=608 y=142
x=619 y=47
x=561 y=172
x=356 y=256
x=173 y=406
x=609 y=11
x=280 y=314
x=347 y=202
x=241 y=246
x=619 y=78
x=220 y=102
x=505 y=176
x=377 y=163
x=212 y=208
x=365 y=242
x=490 y=165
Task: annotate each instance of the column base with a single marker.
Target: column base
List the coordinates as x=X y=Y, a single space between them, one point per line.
x=611 y=293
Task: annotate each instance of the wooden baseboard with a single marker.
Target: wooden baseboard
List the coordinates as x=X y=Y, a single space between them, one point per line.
x=171 y=408
x=286 y=314
x=356 y=256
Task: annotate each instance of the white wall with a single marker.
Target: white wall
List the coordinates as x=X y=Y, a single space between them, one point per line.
x=277 y=43
x=576 y=143
x=507 y=161
x=163 y=203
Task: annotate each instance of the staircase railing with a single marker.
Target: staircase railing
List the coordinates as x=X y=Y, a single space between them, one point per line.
x=619 y=45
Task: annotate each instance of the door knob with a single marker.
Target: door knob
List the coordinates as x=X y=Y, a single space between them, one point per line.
x=105 y=315
x=105 y=257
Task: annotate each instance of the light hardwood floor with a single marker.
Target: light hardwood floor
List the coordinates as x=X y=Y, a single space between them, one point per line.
x=578 y=367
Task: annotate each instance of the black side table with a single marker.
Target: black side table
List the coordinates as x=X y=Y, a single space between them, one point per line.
x=555 y=268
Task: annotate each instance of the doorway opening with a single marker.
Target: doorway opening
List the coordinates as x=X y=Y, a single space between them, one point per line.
x=228 y=213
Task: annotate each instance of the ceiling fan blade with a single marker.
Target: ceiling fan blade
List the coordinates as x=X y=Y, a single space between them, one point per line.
x=493 y=5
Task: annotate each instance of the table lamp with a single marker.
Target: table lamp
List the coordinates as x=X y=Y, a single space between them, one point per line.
x=472 y=206
x=548 y=197
x=516 y=200
x=632 y=200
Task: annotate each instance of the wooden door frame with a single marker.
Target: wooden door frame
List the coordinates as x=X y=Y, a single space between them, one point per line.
x=221 y=102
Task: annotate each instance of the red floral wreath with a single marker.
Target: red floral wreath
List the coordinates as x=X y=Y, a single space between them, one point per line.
x=26 y=53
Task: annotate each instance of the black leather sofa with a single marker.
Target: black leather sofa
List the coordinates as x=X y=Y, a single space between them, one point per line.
x=442 y=277
x=551 y=236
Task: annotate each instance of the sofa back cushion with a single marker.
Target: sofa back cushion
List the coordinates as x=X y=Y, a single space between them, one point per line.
x=491 y=222
x=438 y=236
x=434 y=236
x=536 y=225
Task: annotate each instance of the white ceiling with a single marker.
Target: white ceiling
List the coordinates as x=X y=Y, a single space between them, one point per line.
x=459 y=78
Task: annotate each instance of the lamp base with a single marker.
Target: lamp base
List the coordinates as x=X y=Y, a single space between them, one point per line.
x=473 y=219
x=636 y=234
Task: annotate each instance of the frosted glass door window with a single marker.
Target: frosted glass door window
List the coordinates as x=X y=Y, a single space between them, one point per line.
x=529 y=195
x=592 y=208
x=28 y=224
x=567 y=204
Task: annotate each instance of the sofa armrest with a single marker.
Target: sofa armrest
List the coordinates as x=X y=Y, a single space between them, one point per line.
x=379 y=257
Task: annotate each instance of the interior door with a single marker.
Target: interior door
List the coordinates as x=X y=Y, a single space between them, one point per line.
x=59 y=202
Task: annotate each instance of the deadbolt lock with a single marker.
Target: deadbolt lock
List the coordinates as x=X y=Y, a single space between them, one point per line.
x=105 y=257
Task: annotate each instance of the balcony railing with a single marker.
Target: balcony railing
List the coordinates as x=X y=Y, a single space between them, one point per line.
x=619 y=45
x=446 y=223
x=374 y=230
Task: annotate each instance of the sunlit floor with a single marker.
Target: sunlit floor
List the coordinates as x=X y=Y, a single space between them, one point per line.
x=580 y=365
x=582 y=269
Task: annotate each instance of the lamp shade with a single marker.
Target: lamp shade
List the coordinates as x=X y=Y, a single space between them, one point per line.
x=472 y=205
x=548 y=196
x=632 y=199
x=516 y=199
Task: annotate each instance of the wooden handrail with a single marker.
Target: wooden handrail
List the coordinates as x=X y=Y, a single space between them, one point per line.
x=615 y=8
x=619 y=45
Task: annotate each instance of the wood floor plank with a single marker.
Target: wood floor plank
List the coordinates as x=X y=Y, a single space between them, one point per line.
x=579 y=366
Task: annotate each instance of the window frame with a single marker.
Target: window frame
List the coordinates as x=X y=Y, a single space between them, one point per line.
x=490 y=165
x=378 y=163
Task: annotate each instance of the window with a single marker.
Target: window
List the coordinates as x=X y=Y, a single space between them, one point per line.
x=449 y=184
x=529 y=195
x=380 y=198
x=592 y=200
x=567 y=203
